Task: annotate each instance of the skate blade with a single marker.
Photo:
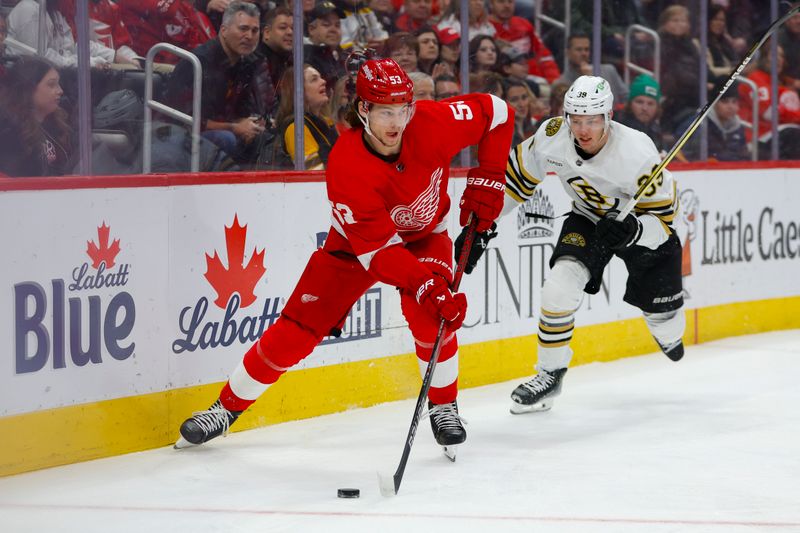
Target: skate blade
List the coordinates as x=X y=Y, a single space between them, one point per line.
x=538 y=407
x=450 y=452
x=182 y=443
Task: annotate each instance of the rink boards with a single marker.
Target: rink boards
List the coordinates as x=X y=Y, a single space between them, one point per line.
x=128 y=300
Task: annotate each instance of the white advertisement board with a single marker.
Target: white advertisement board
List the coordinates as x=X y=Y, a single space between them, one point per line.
x=110 y=293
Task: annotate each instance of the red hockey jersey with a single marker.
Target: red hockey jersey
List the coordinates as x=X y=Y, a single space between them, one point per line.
x=172 y=21
x=377 y=203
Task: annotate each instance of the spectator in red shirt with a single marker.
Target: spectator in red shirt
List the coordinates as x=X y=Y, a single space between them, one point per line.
x=172 y=21
x=788 y=108
x=417 y=14
x=106 y=28
x=521 y=35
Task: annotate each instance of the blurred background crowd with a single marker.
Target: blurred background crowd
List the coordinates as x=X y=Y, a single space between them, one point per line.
x=527 y=52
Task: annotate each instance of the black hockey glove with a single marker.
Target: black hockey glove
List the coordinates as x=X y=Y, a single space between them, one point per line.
x=479 y=246
x=616 y=234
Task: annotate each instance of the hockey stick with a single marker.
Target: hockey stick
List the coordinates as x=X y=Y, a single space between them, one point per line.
x=389 y=485
x=703 y=112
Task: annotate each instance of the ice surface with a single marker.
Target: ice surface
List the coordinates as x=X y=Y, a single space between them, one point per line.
x=709 y=444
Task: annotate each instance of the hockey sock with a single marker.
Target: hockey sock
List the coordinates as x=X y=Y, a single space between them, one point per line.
x=561 y=295
x=444 y=383
x=283 y=345
x=667 y=327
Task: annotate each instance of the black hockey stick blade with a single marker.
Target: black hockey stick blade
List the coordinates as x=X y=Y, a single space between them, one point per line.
x=390 y=484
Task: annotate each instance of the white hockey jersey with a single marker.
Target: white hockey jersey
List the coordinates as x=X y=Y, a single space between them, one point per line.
x=600 y=184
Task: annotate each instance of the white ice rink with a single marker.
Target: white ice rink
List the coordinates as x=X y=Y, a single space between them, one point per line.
x=710 y=444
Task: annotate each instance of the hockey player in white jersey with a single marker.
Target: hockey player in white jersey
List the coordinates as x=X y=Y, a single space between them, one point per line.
x=600 y=163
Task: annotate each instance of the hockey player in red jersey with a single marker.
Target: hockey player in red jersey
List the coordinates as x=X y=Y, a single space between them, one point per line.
x=387 y=182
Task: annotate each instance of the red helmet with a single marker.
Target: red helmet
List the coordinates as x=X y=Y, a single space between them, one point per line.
x=383 y=81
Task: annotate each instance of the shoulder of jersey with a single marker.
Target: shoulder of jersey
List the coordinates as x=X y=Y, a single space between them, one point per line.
x=551 y=131
x=634 y=141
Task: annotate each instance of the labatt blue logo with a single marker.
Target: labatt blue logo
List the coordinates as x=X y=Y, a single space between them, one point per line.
x=78 y=327
x=235 y=287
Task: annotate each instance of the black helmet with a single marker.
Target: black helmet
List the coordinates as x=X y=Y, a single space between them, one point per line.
x=119 y=110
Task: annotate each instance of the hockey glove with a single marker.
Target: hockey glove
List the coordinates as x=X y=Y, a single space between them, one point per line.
x=435 y=297
x=479 y=246
x=616 y=234
x=484 y=197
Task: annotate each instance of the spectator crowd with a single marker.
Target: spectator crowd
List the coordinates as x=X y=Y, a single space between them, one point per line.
x=246 y=52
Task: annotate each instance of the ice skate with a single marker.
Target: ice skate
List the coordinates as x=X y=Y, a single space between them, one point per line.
x=203 y=426
x=673 y=350
x=537 y=394
x=447 y=427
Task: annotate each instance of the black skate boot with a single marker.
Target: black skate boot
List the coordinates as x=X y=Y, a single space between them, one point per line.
x=537 y=393
x=674 y=351
x=447 y=428
x=203 y=426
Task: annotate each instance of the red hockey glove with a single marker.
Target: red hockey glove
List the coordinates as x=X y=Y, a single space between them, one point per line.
x=484 y=197
x=435 y=297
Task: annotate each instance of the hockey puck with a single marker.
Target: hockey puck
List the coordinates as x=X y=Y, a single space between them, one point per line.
x=348 y=493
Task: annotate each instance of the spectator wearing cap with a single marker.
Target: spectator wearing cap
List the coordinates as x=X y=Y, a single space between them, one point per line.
x=277 y=41
x=324 y=51
x=238 y=95
x=513 y=63
x=449 y=51
x=726 y=133
x=643 y=110
x=578 y=53
x=520 y=34
x=478 y=19
x=417 y=14
x=360 y=27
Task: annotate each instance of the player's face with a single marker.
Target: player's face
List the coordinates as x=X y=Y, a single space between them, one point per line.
x=387 y=123
x=589 y=132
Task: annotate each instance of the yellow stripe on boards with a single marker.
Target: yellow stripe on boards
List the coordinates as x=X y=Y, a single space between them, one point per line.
x=90 y=431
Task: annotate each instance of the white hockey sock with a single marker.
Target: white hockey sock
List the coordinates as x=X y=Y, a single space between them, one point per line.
x=667 y=327
x=244 y=386
x=562 y=293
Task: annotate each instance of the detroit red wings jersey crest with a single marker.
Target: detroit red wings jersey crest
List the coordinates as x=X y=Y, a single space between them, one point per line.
x=422 y=210
x=380 y=201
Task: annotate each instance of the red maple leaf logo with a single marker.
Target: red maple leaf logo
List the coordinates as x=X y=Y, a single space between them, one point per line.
x=237 y=278
x=102 y=252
